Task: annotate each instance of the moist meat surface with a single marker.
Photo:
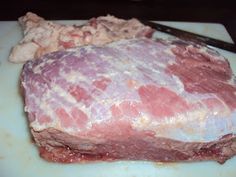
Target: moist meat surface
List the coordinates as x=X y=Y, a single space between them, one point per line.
x=135 y=99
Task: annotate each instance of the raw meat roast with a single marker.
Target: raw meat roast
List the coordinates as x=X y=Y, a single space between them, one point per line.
x=135 y=99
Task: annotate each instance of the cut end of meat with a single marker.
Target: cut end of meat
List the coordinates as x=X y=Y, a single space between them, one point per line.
x=136 y=99
x=143 y=147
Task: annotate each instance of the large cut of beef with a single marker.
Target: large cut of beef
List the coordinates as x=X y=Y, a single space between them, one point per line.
x=136 y=99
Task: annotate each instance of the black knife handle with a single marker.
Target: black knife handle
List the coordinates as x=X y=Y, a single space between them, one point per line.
x=185 y=35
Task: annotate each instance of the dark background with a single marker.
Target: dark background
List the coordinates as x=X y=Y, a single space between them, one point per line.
x=223 y=11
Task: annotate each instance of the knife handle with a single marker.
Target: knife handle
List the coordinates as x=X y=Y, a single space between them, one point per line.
x=185 y=35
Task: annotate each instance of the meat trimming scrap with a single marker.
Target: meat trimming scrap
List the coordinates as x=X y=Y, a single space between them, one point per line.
x=134 y=99
x=41 y=36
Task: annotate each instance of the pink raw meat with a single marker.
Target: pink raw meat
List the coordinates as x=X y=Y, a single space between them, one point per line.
x=136 y=99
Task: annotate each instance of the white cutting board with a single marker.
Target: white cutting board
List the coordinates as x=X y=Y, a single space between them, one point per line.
x=19 y=157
